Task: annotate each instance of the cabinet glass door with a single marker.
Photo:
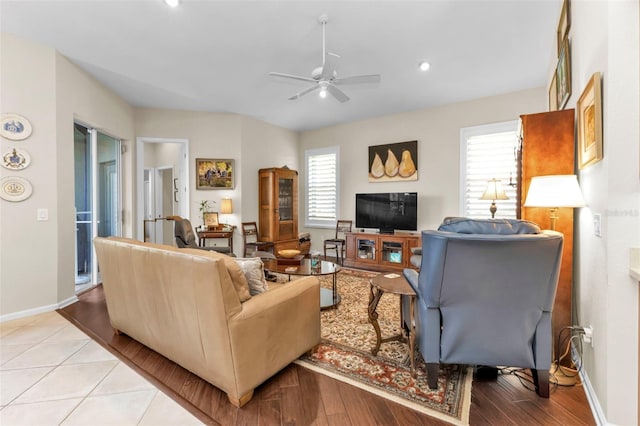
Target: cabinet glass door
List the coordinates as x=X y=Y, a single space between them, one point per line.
x=392 y=251
x=366 y=249
x=285 y=198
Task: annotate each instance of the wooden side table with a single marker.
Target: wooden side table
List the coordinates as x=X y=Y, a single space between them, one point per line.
x=204 y=235
x=396 y=284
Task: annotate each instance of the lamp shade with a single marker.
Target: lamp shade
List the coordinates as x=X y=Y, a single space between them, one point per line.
x=226 y=206
x=554 y=191
x=494 y=191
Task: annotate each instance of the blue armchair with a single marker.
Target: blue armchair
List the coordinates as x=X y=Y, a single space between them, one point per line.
x=485 y=293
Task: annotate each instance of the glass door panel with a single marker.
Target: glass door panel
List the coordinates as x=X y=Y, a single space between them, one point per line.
x=83 y=204
x=97 y=197
x=285 y=198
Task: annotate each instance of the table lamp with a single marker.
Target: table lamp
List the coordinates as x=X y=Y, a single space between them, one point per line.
x=226 y=207
x=494 y=192
x=554 y=191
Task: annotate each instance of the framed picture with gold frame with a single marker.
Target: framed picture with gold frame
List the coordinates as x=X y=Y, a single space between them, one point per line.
x=214 y=173
x=553 y=97
x=563 y=75
x=589 y=110
x=564 y=23
x=211 y=220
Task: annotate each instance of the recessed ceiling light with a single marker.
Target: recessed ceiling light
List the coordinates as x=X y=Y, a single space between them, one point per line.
x=424 y=65
x=172 y=3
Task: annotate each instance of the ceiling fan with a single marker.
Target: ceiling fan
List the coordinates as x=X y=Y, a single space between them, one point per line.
x=325 y=77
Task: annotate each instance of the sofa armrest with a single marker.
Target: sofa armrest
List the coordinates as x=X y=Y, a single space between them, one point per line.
x=273 y=329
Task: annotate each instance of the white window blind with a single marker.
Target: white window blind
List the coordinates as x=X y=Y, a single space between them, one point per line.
x=489 y=152
x=322 y=187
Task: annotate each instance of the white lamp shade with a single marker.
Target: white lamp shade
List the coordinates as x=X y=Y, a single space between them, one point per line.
x=494 y=191
x=226 y=206
x=554 y=191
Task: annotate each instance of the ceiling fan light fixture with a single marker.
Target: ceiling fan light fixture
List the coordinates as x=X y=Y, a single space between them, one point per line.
x=172 y=3
x=323 y=92
x=424 y=65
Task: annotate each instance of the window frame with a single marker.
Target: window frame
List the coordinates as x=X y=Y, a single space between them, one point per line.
x=482 y=130
x=312 y=222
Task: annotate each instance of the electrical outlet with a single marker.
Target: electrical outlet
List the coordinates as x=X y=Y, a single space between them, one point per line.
x=42 y=215
x=587 y=337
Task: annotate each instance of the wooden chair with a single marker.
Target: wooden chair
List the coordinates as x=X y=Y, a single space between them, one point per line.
x=250 y=237
x=338 y=243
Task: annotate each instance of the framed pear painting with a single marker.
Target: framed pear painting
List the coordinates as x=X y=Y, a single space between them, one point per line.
x=393 y=162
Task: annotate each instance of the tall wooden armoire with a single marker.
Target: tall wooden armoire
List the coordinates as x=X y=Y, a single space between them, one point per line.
x=548 y=148
x=278 y=203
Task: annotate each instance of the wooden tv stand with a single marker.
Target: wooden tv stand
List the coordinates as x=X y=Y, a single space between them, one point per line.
x=380 y=252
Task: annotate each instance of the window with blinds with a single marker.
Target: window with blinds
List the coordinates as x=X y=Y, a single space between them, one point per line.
x=488 y=152
x=322 y=187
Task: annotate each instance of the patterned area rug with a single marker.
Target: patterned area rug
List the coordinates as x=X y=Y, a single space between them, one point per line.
x=345 y=354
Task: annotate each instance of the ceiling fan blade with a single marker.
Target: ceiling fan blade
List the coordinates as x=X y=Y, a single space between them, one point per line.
x=304 y=92
x=295 y=77
x=358 y=79
x=329 y=67
x=337 y=93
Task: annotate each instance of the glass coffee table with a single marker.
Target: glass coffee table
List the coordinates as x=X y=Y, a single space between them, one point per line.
x=329 y=298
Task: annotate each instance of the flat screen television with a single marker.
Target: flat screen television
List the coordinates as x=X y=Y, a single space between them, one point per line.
x=387 y=211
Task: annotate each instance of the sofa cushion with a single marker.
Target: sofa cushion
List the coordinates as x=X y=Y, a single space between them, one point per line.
x=253 y=269
x=465 y=225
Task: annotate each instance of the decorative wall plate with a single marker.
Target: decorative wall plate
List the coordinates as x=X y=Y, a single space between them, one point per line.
x=16 y=159
x=15 y=127
x=15 y=188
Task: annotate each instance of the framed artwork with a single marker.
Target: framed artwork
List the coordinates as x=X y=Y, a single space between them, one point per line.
x=563 y=75
x=214 y=174
x=211 y=219
x=553 y=97
x=393 y=162
x=564 y=23
x=589 y=109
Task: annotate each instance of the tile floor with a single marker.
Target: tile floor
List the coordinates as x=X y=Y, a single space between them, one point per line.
x=51 y=373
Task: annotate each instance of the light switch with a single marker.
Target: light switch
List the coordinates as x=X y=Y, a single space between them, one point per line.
x=43 y=214
x=597 y=225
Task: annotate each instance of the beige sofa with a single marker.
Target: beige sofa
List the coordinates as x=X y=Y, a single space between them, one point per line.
x=185 y=304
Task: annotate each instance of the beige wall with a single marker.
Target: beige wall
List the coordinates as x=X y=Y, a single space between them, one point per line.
x=604 y=37
x=251 y=143
x=437 y=131
x=37 y=257
x=29 y=258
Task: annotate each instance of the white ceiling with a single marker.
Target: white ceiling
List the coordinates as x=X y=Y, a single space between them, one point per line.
x=216 y=55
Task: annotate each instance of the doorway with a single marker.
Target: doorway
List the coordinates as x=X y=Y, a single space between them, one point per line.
x=97 y=197
x=163 y=189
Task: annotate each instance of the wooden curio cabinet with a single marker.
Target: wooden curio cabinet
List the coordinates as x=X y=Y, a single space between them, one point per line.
x=278 y=201
x=548 y=149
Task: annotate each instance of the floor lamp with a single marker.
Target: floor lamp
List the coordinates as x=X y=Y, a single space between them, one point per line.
x=553 y=192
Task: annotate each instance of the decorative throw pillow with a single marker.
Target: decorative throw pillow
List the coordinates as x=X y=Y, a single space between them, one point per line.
x=465 y=225
x=238 y=278
x=253 y=269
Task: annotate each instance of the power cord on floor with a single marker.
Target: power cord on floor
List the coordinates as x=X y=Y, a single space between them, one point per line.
x=559 y=375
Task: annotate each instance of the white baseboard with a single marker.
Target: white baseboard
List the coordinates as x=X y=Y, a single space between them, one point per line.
x=596 y=408
x=38 y=310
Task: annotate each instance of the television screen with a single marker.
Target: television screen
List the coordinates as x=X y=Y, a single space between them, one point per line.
x=387 y=211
